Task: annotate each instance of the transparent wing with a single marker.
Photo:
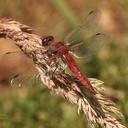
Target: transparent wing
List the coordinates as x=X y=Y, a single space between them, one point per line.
x=88 y=48
x=85 y=30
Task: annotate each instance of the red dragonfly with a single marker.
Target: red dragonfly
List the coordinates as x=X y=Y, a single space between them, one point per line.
x=81 y=39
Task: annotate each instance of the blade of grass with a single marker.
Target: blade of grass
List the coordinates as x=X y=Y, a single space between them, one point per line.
x=66 y=11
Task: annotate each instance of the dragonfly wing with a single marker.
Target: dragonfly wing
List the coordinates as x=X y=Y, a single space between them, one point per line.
x=87 y=28
x=90 y=47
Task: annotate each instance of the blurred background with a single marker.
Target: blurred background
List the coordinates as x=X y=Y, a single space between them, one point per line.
x=30 y=105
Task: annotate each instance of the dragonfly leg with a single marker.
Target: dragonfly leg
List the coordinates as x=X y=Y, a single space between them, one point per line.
x=57 y=67
x=51 y=74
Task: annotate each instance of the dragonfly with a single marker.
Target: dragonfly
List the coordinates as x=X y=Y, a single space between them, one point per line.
x=82 y=40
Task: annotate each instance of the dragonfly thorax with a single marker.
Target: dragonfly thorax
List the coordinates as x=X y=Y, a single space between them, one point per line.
x=60 y=48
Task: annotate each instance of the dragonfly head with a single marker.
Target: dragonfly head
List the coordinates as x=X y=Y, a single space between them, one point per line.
x=47 y=40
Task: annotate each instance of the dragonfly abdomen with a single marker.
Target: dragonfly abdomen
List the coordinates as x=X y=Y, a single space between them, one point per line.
x=76 y=71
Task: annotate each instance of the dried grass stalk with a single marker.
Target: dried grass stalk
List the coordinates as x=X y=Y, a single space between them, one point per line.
x=99 y=110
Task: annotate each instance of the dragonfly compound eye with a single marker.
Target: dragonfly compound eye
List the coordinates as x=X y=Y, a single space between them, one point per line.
x=47 y=40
